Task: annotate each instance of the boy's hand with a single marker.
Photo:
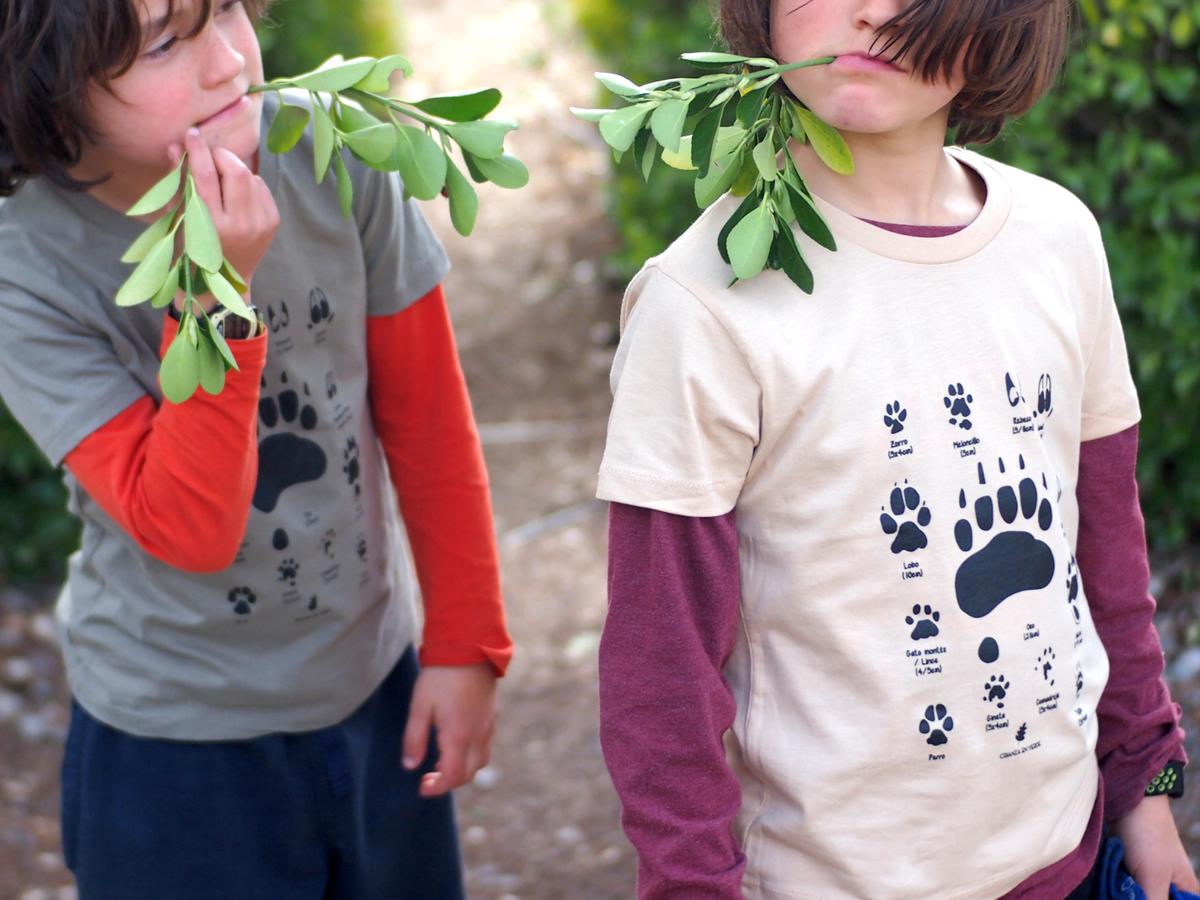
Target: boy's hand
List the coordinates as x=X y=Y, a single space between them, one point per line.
x=240 y=202
x=1154 y=854
x=461 y=702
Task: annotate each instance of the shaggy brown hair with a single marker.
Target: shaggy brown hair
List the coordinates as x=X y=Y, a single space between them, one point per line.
x=50 y=51
x=1014 y=49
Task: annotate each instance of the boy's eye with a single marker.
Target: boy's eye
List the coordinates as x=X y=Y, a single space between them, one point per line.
x=161 y=49
x=229 y=6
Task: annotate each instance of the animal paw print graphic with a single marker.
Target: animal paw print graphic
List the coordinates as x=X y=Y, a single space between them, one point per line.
x=958 y=402
x=995 y=690
x=243 y=600
x=894 y=416
x=285 y=459
x=318 y=308
x=924 y=620
x=360 y=548
x=1045 y=401
x=1016 y=559
x=327 y=542
x=351 y=468
x=1022 y=731
x=277 y=321
x=935 y=724
x=288 y=570
x=1045 y=665
x=1078 y=680
x=1073 y=588
x=908 y=516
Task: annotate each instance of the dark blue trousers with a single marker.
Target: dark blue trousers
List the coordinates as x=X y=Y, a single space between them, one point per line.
x=321 y=815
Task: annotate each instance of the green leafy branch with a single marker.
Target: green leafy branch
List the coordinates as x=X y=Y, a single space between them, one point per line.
x=732 y=130
x=351 y=110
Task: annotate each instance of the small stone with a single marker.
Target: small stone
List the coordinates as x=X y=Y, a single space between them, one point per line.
x=581 y=646
x=18 y=670
x=49 y=862
x=610 y=855
x=475 y=836
x=486 y=778
x=569 y=834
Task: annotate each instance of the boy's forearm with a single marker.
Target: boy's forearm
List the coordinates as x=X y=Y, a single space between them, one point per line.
x=152 y=469
x=1139 y=724
x=664 y=705
x=422 y=414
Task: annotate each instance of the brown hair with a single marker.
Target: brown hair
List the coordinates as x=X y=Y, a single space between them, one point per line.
x=50 y=51
x=1014 y=49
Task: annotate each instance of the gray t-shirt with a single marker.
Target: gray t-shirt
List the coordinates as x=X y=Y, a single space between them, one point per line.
x=318 y=605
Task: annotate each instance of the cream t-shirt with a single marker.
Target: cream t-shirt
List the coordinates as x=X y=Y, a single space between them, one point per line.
x=917 y=672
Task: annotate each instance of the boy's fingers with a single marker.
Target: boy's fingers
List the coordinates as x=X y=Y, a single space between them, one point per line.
x=203 y=170
x=451 y=766
x=416 y=733
x=236 y=189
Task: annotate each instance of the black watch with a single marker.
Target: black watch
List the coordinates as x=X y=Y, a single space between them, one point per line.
x=1168 y=782
x=229 y=325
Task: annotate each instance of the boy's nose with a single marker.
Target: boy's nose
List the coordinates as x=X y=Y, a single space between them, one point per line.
x=222 y=59
x=871 y=14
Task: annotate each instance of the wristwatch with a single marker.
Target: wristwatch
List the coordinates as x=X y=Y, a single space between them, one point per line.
x=1168 y=782
x=229 y=325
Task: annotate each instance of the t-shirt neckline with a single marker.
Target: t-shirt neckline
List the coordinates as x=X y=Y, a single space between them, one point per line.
x=926 y=249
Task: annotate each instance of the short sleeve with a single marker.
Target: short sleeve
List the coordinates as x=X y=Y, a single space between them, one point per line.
x=59 y=378
x=1110 y=402
x=404 y=259
x=686 y=406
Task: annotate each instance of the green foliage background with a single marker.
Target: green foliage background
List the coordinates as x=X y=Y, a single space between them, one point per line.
x=1121 y=130
x=36 y=532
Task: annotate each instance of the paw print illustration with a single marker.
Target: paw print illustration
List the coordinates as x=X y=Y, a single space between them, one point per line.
x=1045 y=665
x=1015 y=559
x=285 y=459
x=894 y=416
x=360 y=548
x=327 y=542
x=1078 y=679
x=350 y=454
x=330 y=385
x=924 y=620
x=243 y=600
x=995 y=690
x=1073 y=588
x=908 y=516
x=288 y=570
x=318 y=308
x=958 y=402
x=1021 y=731
x=1045 y=404
x=277 y=321
x=1013 y=390
x=312 y=603
x=936 y=722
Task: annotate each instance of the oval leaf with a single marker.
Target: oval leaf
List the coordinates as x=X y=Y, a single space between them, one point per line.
x=351 y=118
x=764 y=159
x=286 y=128
x=147 y=279
x=718 y=180
x=166 y=292
x=792 y=260
x=505 y=171
x=750 y=242
x=211 y=365
x=682 y=159
x=464 y=107
x=228 y=296
x=339 y=76
x=379 y=79
x=829 y=146
x=420 y=161
x=810 y=219
x=374 y=144
x=482 y=139
x=589 y=115
x=159 y=195
x=464 y=202
x=156 y=232
x=620 y=127
x=200 y=238
x=345 y=188
x=179 y=374
x=667 y=122
x=322 y=141
x=619 y=85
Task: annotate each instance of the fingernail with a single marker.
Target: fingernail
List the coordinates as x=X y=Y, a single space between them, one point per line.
x=194 y=132
x=409 y=762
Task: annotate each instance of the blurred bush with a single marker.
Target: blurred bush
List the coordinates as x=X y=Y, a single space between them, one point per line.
x=36 y=532
x=1121 y=130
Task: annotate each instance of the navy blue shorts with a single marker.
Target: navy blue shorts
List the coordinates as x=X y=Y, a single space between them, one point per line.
x=323 y=815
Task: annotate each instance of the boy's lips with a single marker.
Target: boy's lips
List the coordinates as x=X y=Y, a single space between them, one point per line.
x=232 y=109
x=862 y=62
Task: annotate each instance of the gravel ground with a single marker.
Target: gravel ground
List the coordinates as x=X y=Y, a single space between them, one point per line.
x=534 y=316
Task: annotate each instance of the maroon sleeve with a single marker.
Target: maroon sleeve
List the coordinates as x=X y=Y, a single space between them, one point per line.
x=673 y=589
x=1139 y=724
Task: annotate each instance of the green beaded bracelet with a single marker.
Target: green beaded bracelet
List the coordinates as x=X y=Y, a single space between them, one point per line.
x=1168 y=782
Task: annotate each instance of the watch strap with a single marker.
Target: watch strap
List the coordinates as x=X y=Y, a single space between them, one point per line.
x=1168 y=782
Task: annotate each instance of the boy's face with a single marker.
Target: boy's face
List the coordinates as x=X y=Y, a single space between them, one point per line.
x=176 y=83
x=856 y=93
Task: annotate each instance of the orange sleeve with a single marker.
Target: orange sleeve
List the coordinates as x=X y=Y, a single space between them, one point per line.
x=423 y=417
x=179 y=479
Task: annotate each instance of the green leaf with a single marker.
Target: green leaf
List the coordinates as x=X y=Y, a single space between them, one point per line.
x=234 y=277
x=682 y=159
x=286 y=128
x=200 y=239
x=372 y=145
x=349 y=117
x=476 y=176
x=667 y=122
x=810 y=220
x=159 y=195
x=345 y=188
x=748 y=203
x=179 y=374
x=749 y=106
x=211 y=364
x=718 y=180
x=620 y=127
x=323 y=140
x=335 y=75
x=703 y=138
x=764 y=159
x=462 y=107
x=166 y=292
x=481 y=139
x=156 y=232
x=379 y=80
x=228 y=296
x=420 y=162
x=505 y=171
x=619 y=85
x=589 y=115
x=147 y=279
x=645 y=151
x=222 y=346
x=717 y=60
x=464 y=202
x=750 y=242
x=829 y=146
x=748 y=177
x=792 y=260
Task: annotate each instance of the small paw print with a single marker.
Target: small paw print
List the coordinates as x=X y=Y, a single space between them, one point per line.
x=995 y=690
x=360 y=548
x=351 y=468
x=924 y=620
x=1073 y=588
x=936 y=722
x=958 y=402
x=908 y=516
x=1078 y=680
x=894 y=417
x=1045 y=664
x=243 y=600
x=288 y=570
